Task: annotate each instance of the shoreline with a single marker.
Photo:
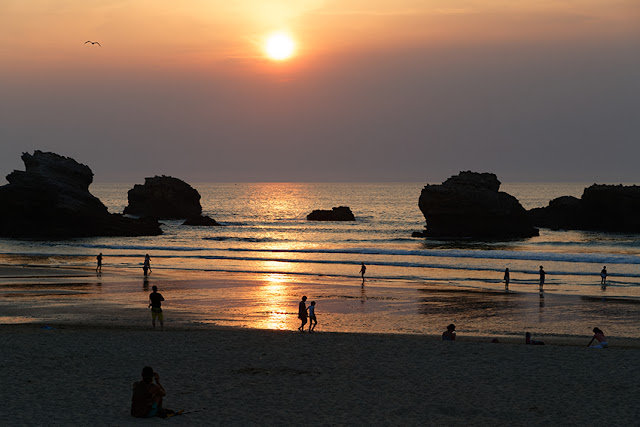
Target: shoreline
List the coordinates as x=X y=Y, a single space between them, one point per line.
x=74 y=297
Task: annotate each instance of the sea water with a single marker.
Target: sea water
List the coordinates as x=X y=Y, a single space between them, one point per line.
x=265 y=234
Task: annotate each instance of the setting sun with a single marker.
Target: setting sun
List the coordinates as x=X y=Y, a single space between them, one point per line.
x=279 y=46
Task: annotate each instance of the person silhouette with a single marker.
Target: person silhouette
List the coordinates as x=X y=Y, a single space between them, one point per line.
x=449 y=334
x=155 y=303
x=146 y=400
x=363 y=269
x=603 y=276
x=146 y=267
x=506 y=279
x=302 y=313
x=542 y=276
x=598 y=335
x=312 y=316
x=99 y=266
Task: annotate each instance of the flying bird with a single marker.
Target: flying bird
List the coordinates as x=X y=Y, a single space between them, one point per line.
x=89 y=41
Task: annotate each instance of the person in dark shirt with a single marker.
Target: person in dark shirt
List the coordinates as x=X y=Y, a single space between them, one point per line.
x=99 y=266
x=542 y=276
x=449 y=334
x=302 y=313
x=155 y=302
x=147 y=396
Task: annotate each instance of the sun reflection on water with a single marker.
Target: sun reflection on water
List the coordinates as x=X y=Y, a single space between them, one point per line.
x=276 y=296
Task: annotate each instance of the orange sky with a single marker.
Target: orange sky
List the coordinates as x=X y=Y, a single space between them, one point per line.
x=205 y=32
x=376 y=80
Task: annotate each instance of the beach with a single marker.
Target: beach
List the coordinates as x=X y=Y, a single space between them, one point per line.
x=83 y=376
x=74 y=361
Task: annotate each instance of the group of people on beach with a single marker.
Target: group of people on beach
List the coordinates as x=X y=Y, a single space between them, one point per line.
x=146 y=265
x=450 y=335
x=543 y=275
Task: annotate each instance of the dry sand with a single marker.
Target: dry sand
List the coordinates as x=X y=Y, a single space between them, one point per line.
x=82 y=376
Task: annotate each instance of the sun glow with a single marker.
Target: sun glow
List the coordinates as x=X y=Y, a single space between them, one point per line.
x=279 y=46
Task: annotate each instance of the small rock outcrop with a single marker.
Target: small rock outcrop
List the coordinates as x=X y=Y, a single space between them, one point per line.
x=341 y=213
x=470 y=205
x=51 y=199
x=202 y=221
x=601 y=208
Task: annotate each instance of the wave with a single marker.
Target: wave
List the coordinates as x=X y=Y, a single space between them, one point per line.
x=245 y=239
x=597 y=258
x=414 y=270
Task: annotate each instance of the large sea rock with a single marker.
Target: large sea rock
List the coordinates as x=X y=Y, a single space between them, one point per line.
x=601 y=208
x=340 y=213
x=51 y=199
x=167 y=197
x=470 y=205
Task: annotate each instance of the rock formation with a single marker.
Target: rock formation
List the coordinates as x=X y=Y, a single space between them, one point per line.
x=51 y=199
x=341 y=213
x=469 y=205
x=164 y=197
x=167 y=197
x=202 y=220
x=601 y=207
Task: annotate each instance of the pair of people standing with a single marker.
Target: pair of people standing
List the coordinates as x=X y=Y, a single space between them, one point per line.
x=302 y=314
x=507 y=278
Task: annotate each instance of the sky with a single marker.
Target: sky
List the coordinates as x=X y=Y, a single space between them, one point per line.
x=376 y=90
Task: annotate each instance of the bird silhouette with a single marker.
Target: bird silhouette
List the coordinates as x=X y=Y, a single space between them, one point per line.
x=89 y=41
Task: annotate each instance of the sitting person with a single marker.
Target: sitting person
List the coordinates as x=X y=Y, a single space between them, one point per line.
x=528 y=340
x=147 y=396
x=598 y=335
x=449 y=334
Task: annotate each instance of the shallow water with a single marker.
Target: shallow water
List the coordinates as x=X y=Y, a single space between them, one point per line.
x=408 y=283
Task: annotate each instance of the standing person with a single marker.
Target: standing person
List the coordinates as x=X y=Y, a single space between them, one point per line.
x=147 y=396
x=506 y=279
x=302 y=313
x=542 y=276
x=312 y=316
x=449 y=334
x=99 y=266
x=155 y=302
x=598 y=335
x=363 y=269
x=603 y=276
x=146 y=267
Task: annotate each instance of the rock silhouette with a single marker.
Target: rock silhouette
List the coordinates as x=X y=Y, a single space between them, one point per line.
x=601 y=208
x=341 y=213
x=166 y=197
x=470 y=205
x=51 y=199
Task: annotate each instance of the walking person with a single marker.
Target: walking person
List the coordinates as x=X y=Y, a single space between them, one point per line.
x=99 y=266
x=603 y=276
x=506 y=279
x=312 y=316
x=302 y=313
x=155 y=303
x=542 y=276
x=363 y=269
x=146 y=267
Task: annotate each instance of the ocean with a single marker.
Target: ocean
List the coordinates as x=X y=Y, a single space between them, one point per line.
x=412 y=285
